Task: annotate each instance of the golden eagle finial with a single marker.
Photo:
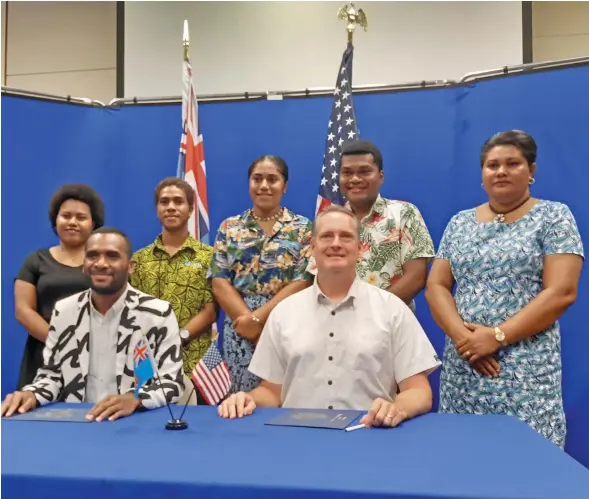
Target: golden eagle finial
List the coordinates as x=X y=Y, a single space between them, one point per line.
x=353 y=17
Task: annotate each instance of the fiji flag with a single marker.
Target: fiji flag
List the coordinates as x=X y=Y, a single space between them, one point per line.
x=143 y=366
x=191 y=161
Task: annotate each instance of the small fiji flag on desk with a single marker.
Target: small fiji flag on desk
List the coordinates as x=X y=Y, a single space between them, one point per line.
x=143 y=366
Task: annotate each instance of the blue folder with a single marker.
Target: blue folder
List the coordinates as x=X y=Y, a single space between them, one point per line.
x=317 y=418
x=61 y=415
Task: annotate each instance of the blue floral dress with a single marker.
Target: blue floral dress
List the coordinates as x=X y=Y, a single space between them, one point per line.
x=258 y=265
x=498 y=270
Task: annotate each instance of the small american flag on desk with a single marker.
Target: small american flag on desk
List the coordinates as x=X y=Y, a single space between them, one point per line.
x=342 y=128
x=211 y=376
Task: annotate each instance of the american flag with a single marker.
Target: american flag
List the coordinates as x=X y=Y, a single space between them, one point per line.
x=191 y=161
x=211 y=376
x=342 y=128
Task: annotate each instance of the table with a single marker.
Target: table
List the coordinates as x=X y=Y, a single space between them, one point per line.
x=433 y=456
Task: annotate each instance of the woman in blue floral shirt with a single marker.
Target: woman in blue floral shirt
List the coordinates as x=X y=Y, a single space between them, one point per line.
x=260 y=257
x=515 y=262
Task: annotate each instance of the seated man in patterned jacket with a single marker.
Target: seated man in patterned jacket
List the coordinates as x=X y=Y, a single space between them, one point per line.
x=88 y=355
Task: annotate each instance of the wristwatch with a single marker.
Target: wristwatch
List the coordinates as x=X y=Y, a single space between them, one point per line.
x=184 y=333
x=500 y=336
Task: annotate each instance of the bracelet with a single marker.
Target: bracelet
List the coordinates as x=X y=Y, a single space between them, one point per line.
x=258 y=321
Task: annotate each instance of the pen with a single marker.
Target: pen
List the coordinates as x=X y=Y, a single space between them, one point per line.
x=357 y=427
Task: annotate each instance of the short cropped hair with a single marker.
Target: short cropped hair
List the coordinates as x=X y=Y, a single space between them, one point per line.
x=175 y=182
x=335 y=208
x=357 y=147
x=516 y=138
x=78 y=192
x=118 y=232
x=278 y=162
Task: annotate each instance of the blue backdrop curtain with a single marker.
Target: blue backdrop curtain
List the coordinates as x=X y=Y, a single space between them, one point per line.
x=430 y=140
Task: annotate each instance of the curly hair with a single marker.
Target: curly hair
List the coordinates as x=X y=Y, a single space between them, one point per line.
x=78 y=192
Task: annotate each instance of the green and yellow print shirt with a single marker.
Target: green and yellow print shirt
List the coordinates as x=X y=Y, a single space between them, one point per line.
x=180 y=280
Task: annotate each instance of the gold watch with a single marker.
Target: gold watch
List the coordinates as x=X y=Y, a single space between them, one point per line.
x=500 y=336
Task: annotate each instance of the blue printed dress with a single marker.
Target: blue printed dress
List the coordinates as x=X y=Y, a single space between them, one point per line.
x=498 y=270
x=258 y=265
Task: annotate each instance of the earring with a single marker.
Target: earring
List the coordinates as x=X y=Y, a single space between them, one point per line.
x=482 y=185
x=532 y=180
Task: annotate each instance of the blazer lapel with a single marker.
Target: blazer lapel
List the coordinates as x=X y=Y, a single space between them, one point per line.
x=127 y=326
x=82 y=333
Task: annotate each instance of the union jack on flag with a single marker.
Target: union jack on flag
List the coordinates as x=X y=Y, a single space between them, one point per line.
x=191 y=161
x=142 y=365
x=211 y=376
x=342 y=128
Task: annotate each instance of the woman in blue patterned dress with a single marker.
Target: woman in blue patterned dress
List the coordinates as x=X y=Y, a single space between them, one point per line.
x=516 y=263
x=260 y=258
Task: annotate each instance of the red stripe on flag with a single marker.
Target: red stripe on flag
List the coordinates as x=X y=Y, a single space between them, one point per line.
x=206 y=378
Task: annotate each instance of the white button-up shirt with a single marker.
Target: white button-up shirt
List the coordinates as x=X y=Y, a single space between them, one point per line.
x=341 y=356
x=102 y=376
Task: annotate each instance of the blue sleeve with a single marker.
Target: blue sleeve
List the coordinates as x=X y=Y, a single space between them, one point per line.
x=444 y=249
x=561 y=235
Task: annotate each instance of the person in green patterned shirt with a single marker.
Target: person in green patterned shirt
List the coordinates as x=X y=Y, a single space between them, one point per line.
x=396 y=244
x=174 y=268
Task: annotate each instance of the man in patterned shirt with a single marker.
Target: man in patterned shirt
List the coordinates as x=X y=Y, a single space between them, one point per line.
x=396 y=244
x=174 y=268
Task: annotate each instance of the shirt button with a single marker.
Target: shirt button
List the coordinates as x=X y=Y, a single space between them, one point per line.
x=330 y=382
x=333 y=312
x=330 y=407
x=330 y=358
x=331 y=335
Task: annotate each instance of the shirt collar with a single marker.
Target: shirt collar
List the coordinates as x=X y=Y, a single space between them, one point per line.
x=378 y=208
x=117 y=306
x=352 y=295
x=189 y=242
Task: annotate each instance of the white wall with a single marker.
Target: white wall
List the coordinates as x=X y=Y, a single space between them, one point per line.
x=63 y=48
x=560 y=30
x=3 y=39
x=252 y=46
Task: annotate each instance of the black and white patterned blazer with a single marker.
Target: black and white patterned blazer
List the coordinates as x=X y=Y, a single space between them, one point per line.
x=62 y=378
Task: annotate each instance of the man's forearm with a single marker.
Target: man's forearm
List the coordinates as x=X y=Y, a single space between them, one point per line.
x=414 y=401
x=412 y=281
x=202 y=321
x=265 y=397
x=406 y=289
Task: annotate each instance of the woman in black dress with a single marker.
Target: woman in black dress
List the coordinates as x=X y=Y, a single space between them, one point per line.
x=50 y=274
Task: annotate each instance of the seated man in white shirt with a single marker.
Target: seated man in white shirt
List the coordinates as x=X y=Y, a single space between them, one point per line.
x=341 y=343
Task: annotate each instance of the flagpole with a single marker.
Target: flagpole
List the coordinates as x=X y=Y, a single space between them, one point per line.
x=185 y=39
